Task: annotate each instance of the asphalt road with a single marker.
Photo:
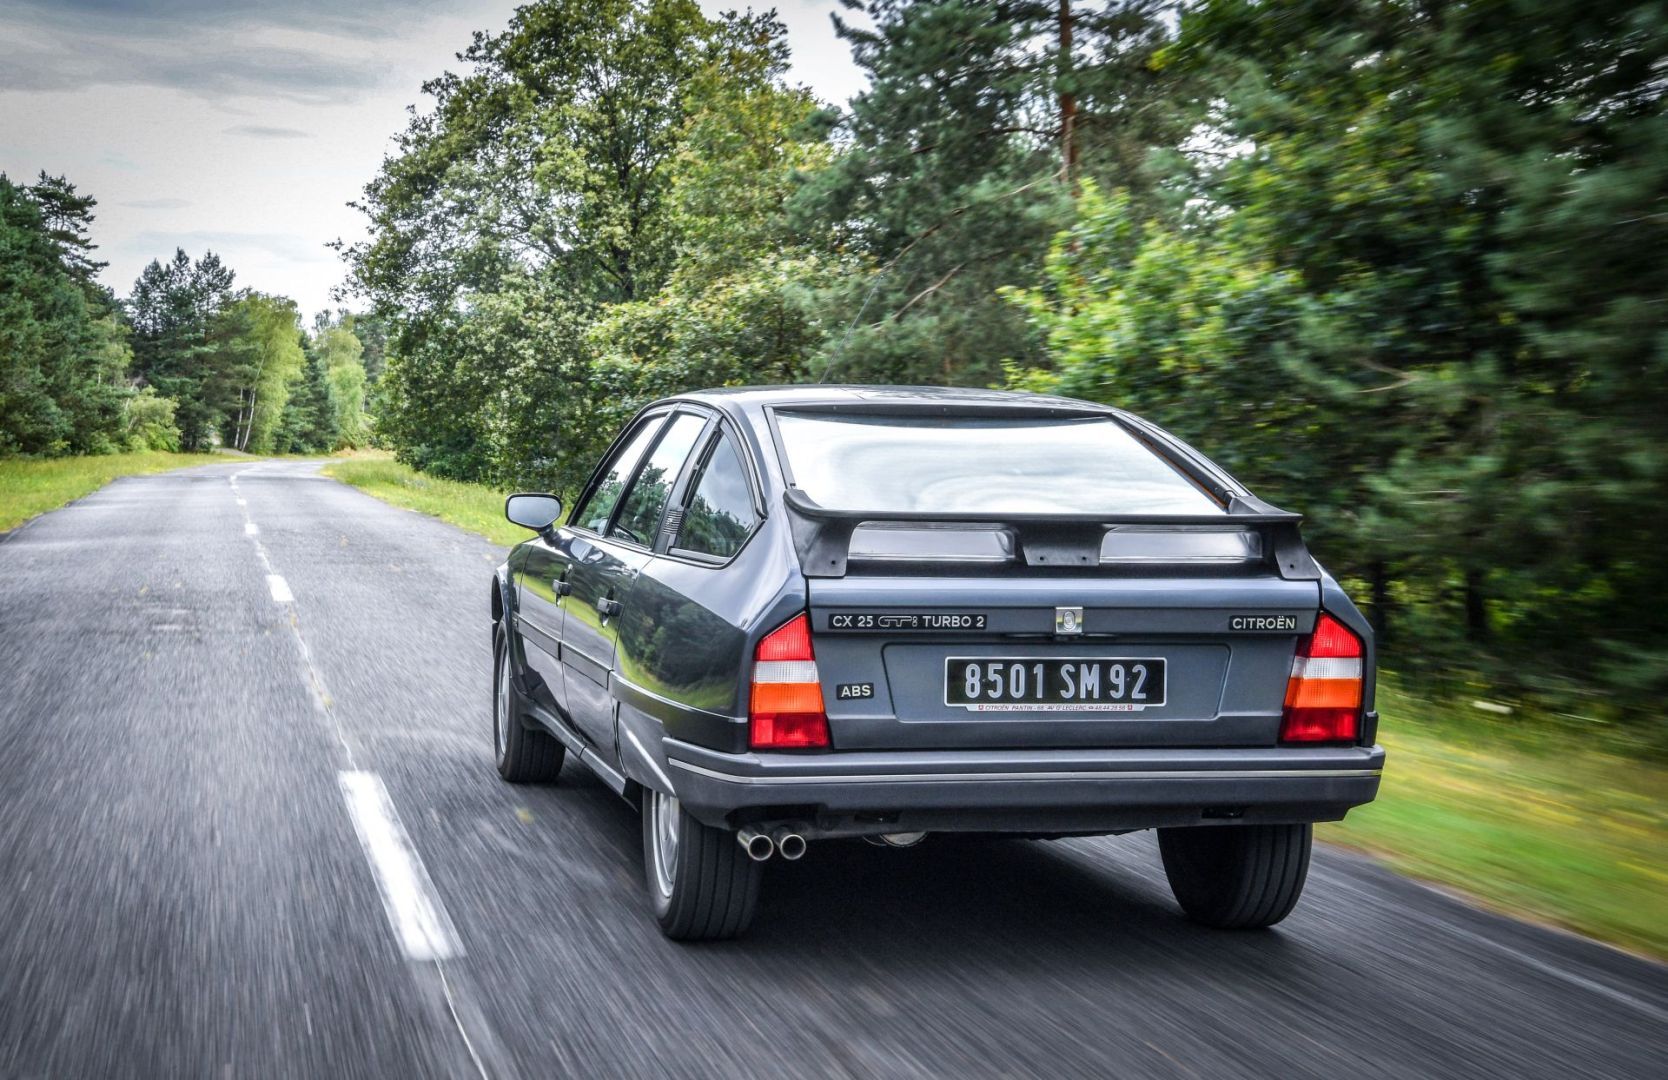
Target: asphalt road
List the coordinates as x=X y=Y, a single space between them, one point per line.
x=184 y=890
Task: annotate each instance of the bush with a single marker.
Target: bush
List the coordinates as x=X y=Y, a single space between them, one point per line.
x=150 y=422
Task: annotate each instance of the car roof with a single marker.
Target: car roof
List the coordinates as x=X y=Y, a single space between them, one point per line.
x=890 y=397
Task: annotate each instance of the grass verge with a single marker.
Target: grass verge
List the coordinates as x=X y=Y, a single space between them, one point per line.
x=30 y=487
x=1525 y=820
x=1528 y=821
x=475 y=507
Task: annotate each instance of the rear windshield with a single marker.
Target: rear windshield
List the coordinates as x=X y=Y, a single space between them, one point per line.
x=979 y=464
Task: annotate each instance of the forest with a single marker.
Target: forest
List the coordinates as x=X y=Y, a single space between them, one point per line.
x=186 y=362
x=1397 y=264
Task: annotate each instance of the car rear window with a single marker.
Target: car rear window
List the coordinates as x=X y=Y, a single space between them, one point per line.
x=1088 y=465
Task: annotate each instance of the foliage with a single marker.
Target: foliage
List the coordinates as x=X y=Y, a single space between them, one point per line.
x=173 y=309
x=591 y=152
x=308 y=425
x=1395 y=264
x=344 y=373
x=1423 y=303
x=63 y=355
x=254 y=356
x=149 y=423
x=958 y=164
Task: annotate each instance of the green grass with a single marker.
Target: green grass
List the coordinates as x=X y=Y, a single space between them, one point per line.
x=1523 y=816
x=475 y=507
x=30 y=487
x=1526 y=820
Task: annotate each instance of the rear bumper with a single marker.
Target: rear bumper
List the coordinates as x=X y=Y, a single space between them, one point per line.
x=1031 y=792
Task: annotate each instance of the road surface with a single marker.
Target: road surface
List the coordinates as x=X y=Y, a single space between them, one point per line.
x=249 y=827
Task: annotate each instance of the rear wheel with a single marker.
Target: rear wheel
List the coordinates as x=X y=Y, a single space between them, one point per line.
x=1236 y=877
x=701 y=883
x=523 y=755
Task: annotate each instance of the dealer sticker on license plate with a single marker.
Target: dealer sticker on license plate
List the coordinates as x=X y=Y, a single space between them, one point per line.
x=1059 y=684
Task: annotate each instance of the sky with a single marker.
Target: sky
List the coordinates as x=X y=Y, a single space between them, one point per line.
x=246 y=126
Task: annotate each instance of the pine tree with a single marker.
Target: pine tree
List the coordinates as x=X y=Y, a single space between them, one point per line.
x=63 y=358
x=172 y=312
x=979 y=118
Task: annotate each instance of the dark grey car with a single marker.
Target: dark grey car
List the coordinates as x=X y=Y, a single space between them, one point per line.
x=783 y=615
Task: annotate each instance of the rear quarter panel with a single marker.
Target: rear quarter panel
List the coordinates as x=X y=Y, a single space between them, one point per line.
x=685 y=648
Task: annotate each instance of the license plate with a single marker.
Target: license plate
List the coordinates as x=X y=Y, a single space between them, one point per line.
x=1061 y=684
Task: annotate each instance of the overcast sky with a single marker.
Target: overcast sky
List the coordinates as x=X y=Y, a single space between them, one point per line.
x=245 y=126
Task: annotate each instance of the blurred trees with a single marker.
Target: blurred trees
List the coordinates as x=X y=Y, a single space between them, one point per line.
x=1421 y=295
x=1396 y=263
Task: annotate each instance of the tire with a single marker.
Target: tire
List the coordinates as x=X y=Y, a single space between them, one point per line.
x=702 y=885
x=524 y=755
x=1236 y=877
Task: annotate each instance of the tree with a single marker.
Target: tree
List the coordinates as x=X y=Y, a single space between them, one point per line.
x=256 y=355
x=951 y=182
x=68 y=216
x=172 y=310
x=308 y=425
x=539 y=186
x=339 y=351
x=1419 y=296
x=62 y=358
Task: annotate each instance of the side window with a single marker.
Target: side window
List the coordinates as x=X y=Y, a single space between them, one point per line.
x=599 y=507
x=720 y=513
x=640 y=516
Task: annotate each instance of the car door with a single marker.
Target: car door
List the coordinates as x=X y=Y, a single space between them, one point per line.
x=606 y=551
x=541 y=582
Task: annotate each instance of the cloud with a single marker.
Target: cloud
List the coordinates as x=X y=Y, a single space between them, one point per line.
x=166 y=18
x=310 y=51
x=287 y=247
x=262 y=131
x=156 y=204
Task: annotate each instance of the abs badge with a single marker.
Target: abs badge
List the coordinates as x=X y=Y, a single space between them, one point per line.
x=1068 y=620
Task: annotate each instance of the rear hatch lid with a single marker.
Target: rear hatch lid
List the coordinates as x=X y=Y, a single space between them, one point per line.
x=1038 y=578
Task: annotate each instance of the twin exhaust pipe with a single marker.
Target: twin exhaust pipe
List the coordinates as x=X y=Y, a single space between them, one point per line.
x=782 y=840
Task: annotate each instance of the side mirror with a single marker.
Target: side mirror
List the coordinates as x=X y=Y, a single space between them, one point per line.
x=533 y=511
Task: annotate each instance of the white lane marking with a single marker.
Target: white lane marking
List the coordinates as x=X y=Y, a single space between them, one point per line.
x=241 y=501
x=415 y=912
x=280 y=589
x=250 y=529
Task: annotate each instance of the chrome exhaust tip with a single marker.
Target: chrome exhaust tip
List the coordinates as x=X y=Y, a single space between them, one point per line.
x=759 y=846
x=789 y=844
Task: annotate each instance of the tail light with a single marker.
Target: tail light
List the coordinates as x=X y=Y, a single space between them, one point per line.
x=1323 y=696
x=786 y=711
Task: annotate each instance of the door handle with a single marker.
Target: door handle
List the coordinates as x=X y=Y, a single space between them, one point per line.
x=561 y=587
x=608 y=607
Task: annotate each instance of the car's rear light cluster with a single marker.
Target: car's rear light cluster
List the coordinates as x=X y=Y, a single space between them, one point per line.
x=786 y=712
x=1323 y=696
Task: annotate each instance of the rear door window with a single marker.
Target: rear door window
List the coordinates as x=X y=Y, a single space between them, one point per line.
x=978 y=464
x=639 y=517
x=720 y=513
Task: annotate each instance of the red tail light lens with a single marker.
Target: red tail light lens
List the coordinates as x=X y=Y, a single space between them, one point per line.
x=1323 y=695
x=786 y=712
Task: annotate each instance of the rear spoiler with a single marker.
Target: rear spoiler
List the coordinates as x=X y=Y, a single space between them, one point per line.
x=822 y=536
